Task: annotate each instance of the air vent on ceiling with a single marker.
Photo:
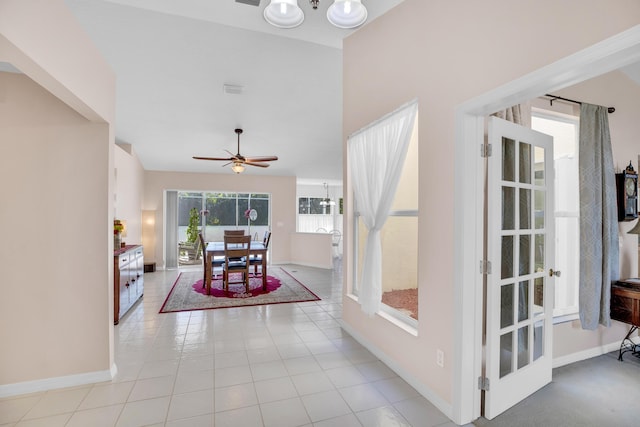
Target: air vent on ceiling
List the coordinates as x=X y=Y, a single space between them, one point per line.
x=249 y=2
x=232 y=89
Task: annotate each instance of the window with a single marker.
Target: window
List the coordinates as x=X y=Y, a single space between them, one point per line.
x=399 y=241
x=565 y=132
x=312 y=206
x=218 y=211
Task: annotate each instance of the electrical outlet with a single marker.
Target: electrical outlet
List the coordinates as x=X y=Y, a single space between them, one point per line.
x=440 y=358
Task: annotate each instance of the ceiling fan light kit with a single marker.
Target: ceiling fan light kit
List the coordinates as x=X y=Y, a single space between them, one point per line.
x=237 y=167
x=239 y=161
x=342 y=13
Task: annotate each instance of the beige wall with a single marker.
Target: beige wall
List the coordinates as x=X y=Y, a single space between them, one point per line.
x=445 y=53
x=129 y=187
x=281 y=188
x=56 y=293
x=312 y=249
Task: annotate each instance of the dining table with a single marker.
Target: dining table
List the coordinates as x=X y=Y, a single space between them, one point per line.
x=216 y=249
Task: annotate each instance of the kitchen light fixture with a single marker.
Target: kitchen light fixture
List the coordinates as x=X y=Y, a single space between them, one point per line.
x=327 y=201
x=237 y=167
x=342 y=13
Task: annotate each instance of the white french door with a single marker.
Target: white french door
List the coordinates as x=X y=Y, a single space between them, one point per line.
x=520 y=247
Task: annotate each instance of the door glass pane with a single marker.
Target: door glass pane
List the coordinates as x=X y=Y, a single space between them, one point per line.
x=507 y=257
x=539 y=165
x=539 y=253
x=506 y=350
x=508 y=208
x=525 y=163
x=525 y=255
x=523 y=347
x=506 y=305
x=538 y=333
x=508 y=159
x=538 y=296
x=523 y=301
x=538 y=201
x=525 y=209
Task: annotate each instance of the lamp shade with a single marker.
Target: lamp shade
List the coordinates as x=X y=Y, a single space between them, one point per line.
x=635 y=229
x=284 y=13
x=347 y=13
x=237 y=167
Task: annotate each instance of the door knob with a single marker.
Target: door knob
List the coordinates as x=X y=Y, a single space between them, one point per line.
x=553 y=272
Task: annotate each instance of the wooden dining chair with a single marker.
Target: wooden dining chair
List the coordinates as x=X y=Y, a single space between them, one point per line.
x=216 y=262
x=234 y=233
x=236 y=259
x=256 y=260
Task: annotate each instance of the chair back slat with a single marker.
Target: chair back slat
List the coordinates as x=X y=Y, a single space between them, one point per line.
x=234 y=232
x=236 y=246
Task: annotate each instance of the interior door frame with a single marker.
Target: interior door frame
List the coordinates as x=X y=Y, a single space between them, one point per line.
x=608 y=55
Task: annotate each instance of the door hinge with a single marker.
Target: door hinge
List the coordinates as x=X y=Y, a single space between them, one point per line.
x=485 y=150
x=483 y=383
x=485 y=266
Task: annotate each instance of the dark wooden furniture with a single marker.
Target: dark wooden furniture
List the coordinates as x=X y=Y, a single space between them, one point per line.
x=216 y=249
x=236 y=260
x=256 y=260
x=625 y=307
x=128 y=279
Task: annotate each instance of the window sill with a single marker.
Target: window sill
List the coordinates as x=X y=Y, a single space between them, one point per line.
x=564 y=318
x=385 y=313
x=410 y=329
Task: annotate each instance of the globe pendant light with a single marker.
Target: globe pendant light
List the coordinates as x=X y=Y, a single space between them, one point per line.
x=347 y=13
x=284 y=13
x=237 y=167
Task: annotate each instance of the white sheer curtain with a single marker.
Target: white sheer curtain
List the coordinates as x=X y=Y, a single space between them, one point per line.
x=376 y=156
x=599 y=250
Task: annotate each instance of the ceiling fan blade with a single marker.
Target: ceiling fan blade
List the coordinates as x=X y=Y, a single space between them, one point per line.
x=214 y=158
x=260 y=165
x=261 y=159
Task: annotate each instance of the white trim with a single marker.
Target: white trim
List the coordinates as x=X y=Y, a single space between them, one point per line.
x=425 y=391
x=608 y=55
x=305 y=264
x=15 y=389
x=468 y=247
x=396 y=321
x=589 y=353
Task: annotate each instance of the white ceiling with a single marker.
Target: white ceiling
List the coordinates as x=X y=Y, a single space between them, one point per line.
x=172 y=58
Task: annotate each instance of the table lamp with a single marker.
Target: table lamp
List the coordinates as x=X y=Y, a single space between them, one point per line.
x=635 y=229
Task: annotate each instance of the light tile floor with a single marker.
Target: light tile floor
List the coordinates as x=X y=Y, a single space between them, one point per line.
x=275 y=365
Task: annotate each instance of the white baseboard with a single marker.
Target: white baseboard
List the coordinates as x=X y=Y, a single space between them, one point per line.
x=425 y=391
x=304 y=264
x=589 y=353
x=16 y=389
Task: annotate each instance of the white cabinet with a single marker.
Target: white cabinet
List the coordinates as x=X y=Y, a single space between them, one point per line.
x=128 y=279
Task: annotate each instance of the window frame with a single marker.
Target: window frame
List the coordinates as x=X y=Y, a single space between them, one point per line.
x=567 y=313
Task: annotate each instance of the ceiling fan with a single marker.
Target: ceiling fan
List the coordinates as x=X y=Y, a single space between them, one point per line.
x=239 y=160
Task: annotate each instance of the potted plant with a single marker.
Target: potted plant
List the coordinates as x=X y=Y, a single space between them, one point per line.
x=188 y=251
x=192 y=228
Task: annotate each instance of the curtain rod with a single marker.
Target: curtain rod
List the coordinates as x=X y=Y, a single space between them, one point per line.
x=609 y=109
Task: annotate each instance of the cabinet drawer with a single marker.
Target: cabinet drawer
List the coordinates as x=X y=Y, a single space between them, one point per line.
x=124 y=259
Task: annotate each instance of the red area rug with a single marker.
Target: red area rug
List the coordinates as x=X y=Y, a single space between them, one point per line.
x=187 y=293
